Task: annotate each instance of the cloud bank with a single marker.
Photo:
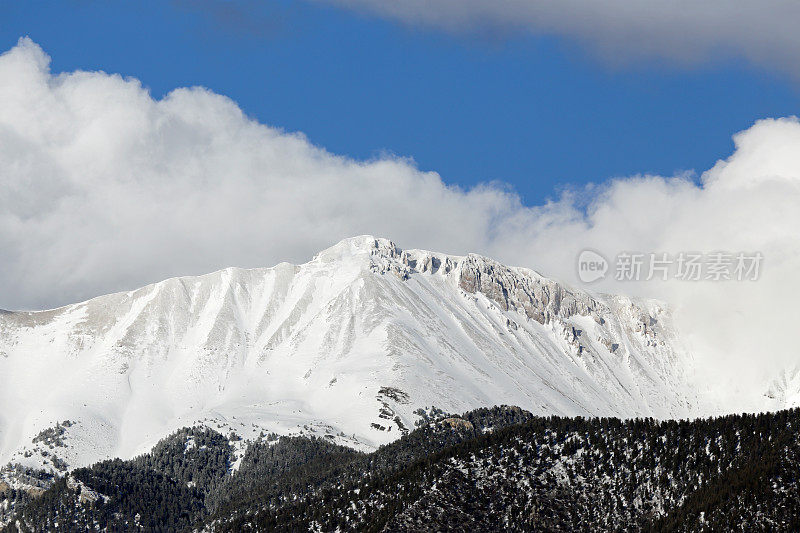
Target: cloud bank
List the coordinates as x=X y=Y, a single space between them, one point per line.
x=104 y=188
x=686 y=32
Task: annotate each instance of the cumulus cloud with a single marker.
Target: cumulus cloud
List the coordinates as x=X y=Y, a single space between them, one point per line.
x=683 y=31
x=744 y=332
x=104 y=189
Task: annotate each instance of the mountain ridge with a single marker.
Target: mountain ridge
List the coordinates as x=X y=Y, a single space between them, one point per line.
x=352 y=344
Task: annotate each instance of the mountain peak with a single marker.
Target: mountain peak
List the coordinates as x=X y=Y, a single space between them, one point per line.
x=359 y=245
x=350 y=345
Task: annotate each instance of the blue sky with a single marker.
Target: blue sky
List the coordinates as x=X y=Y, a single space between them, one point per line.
x=533 y=112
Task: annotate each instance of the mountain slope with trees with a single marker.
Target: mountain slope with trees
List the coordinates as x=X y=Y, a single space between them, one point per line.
x=499 y=469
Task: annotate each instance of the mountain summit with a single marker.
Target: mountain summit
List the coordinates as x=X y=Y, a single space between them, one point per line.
x=358 y=344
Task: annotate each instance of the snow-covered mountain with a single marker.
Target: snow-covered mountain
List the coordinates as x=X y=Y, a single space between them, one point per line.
x=348 y=345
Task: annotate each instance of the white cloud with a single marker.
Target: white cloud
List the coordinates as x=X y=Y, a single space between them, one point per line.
x=684 y=31
x=105 y=189
x=749 y=202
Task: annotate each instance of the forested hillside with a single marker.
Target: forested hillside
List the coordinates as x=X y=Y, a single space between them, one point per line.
x=490 y=469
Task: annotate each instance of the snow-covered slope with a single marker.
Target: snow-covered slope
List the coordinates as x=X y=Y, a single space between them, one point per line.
x=350 y=345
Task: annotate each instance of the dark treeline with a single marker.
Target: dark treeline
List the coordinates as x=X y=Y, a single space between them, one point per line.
x=498 y=469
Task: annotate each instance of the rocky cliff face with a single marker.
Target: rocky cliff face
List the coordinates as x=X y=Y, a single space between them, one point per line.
x=352 y=345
